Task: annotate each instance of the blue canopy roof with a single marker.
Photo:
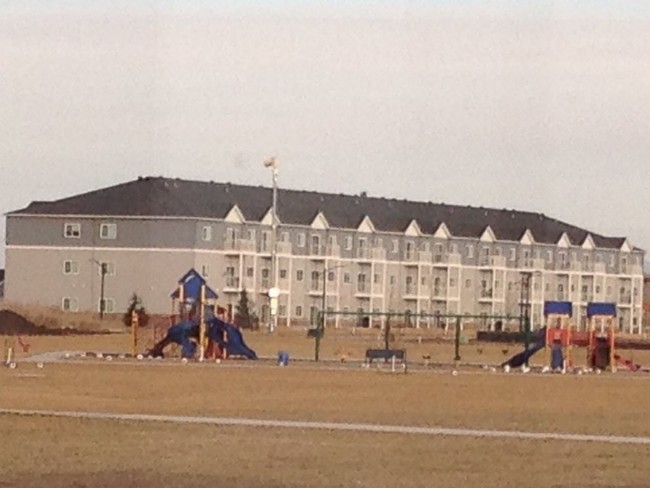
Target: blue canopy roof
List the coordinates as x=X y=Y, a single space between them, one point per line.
x=192 y=283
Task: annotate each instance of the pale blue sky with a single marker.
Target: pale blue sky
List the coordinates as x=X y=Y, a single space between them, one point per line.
x=531 y=105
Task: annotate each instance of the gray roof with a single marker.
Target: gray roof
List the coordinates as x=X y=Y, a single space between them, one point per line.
x=157 y=196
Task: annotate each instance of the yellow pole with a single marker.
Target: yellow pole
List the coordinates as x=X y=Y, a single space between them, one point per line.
x=135 y=321
x=202 y=325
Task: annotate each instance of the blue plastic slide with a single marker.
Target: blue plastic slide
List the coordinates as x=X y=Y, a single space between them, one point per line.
x=234 y=342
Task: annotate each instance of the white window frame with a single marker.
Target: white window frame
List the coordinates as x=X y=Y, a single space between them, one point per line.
x=206 y=233
x=73 y=304
x=74 y=267
x=74 y=228
x=110 y=268
x=348 y=243
x=302 y=239
x=109 y=305
x=108 y=231
x=298 y=310
x=470 y=250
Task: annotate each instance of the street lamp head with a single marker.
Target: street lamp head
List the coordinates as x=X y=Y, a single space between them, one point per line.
x=271 y=163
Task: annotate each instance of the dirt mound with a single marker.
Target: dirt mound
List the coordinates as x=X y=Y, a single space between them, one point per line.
x=12 y=323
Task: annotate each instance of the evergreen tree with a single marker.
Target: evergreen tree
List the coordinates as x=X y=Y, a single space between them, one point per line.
x=136 y=305
x=245 y=316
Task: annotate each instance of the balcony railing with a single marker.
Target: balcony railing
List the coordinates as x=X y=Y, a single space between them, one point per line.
x=239 y=245
x=232 y=282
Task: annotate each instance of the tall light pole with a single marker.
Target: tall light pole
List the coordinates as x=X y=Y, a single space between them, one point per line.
x=274 y=291
x=320 y=326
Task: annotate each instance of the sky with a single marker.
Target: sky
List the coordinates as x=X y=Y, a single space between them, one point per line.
x=538 y=105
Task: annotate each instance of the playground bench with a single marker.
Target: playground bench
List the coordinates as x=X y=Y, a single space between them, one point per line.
x=385 y=354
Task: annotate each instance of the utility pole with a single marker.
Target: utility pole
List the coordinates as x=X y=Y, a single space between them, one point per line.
x=102 y=303
x=525 y=308
x=273 y=321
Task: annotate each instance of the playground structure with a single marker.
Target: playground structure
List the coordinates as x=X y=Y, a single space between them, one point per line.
x=559 y=338
x=197 y=325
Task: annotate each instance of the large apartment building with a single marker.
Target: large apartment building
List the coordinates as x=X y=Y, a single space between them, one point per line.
x=371 y=254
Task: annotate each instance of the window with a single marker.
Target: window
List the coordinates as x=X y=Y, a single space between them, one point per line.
x=250 y=234
x=298 y=311
x=452 y=282
x=315 y=280
x=108 y=305
x=265 y=273
x=409 y=249
x=106 y=267
x=315 y=245
x=346 y=278
x=348 y=243
x=250 y=272
x=206 y=233
x=331 y=241
x=283 y=274
x=70 y=267
x=284 y=237
x=379 y=242
x=361 y=282
x=470 y=251
x=392 y=279
x=72 y=230
x=265 y=245
x=108 y=231
x=513 y=254
x=376 y=278
x=299 y=275
x=301 y=239
x=69 y=304
x=468 y=283
x=549 y=256
x=395 y=245
x=330 y=276
x=231 y=235
x=205 y=270
x=282 y=310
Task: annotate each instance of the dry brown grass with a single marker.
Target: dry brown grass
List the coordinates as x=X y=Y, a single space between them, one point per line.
x=57 y=453
x=607 y=404
x=60 y=453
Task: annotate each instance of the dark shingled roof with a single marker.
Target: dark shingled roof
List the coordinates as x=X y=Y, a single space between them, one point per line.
x=157 y=196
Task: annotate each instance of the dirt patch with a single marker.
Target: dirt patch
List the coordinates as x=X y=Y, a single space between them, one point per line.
x=12 y=323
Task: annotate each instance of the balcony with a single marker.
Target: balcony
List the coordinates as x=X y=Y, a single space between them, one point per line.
x=630 y=269
x=447 y=259
x=363 y=289
x=239 y=245
x=232 y=284
x=285 y=248
x=492 y=262
x=439 y=294
x=378 y=253
x=363 y=253
x=485 y=295
x=410 y=291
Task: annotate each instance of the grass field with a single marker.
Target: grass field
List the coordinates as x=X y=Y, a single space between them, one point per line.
x=58 y=452
x=62 y=452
